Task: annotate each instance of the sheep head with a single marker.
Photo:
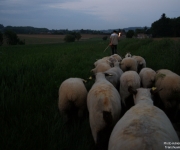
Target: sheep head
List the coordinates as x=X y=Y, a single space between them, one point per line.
x=132 y=91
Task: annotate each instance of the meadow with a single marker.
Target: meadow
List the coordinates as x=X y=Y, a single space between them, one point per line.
x=30 y=76
x=51 y=38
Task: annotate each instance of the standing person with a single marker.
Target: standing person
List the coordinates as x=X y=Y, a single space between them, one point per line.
x=114 y=41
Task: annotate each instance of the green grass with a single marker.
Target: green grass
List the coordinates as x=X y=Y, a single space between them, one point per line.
x=30 y=40
x=159 y=54
x=30 y=77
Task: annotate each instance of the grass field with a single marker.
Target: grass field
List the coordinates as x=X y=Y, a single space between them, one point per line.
x=30 y=77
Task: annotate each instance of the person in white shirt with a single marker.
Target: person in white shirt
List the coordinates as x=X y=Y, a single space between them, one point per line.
x=114 y=38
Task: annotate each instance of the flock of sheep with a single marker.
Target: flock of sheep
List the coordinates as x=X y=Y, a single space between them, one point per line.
x=121 y=103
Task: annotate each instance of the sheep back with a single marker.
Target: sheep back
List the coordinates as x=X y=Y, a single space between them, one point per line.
x=128 y=79
x=144 y=127
x=128 y=63
x=103 y=99
x=147 y=76
x=169 y=83
x=116 y=73
x=140 y=62
x=117 y=57
x=72 y=91
x=101 y=68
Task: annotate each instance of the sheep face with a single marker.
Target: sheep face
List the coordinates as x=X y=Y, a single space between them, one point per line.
x=128 y=55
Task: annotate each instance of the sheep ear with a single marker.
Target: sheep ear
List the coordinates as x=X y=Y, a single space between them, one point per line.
x=108 y=61
x=108 y=74
x=152 y=80
x=116 y=60
x=154 y=90
x=92 y=70
x=84 y=81
x=90 y=78
x=132 y=91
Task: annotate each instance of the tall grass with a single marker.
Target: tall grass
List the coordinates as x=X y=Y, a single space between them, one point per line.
x=30 y=76
x=159 y=54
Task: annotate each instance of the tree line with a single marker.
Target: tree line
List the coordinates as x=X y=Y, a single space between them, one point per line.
x=11 y=38
x=33 y=30
x=164 y=27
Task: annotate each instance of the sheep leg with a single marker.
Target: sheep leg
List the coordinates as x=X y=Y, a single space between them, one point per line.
x=103 y=138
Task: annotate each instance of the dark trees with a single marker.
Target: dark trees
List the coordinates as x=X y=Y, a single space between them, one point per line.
x=69 y=38
x=130 y=34
x=1 y=38
x=77 y=35
x=72 y=37
x=166 y=27
x=12 y=38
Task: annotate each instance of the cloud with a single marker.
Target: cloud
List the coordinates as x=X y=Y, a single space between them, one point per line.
x=87 y=13
x=111 y=10
x=20 y=6
x=101 y=8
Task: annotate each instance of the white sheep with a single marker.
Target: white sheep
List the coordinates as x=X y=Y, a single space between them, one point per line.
x=116 y=73
x=147 y=76
x=128 y=79
x=140 y=62
x=103 y=102
x=143 y=127
x=128 y=54
x=108 y=59
x=72 y=97
x=101 y=67
x=112 y=59
x=118 y=57
x=102 y=60
x=169 y=83
x=128 y=63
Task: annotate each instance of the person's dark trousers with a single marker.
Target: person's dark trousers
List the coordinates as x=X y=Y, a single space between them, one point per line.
x=114 y=49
